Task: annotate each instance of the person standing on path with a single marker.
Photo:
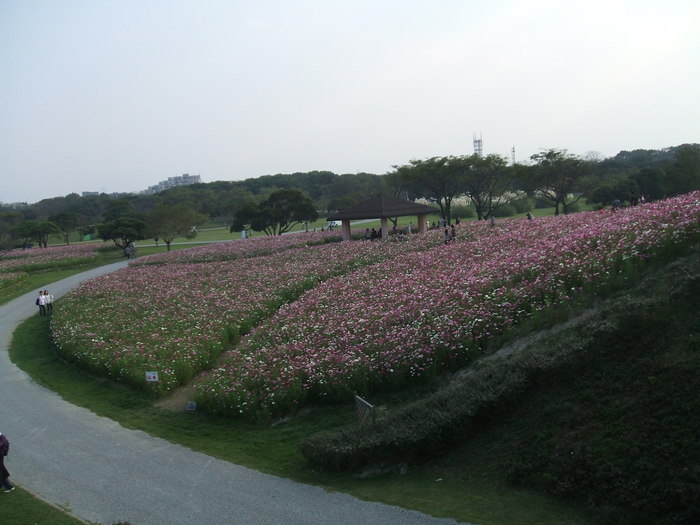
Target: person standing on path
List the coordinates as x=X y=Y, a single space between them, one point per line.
x=41 y=301
x=4 y=474
x=48 y=301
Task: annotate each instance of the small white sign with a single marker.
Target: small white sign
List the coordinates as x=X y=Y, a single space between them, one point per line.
x=151 y=376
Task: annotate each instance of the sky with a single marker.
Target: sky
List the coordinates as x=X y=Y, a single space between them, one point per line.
x=117 y=95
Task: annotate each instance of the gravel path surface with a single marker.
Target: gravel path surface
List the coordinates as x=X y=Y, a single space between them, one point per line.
x=103 y=473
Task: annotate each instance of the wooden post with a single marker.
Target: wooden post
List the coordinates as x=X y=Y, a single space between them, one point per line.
x=347 y=232
x=385 y=228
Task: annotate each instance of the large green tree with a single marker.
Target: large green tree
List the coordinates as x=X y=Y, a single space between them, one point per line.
x=487 y=182
x=614 y=187
x=436 y=180
x=123 y=224
x=167 y=222
x=650 y=182
x=277 y=214
x=683 y=175
x=34 y=230
x=66 y=221
x=9 y=220
x=561 y=178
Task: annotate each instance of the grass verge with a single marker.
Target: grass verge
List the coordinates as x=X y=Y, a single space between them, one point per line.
x=22 y=508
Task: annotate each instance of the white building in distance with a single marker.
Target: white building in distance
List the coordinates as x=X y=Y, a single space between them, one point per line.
x=179 y=180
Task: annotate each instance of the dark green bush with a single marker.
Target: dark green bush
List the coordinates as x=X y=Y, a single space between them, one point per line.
x=506 y=210
x=431 y=425
x=463 y=212
x=523 y=204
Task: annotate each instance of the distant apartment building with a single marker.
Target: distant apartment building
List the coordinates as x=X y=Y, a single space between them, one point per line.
x=179 y=180
x=14 y=205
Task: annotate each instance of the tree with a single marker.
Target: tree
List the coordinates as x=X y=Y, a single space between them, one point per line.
x=346 y=190
x=650 y=182
x=37 y=231
x=167 y=222
x=434 y=179
x=486 y=182
x=561 y=178
x=614 y=187
x=123 y=225
x=118 y=208
x=278 y=214
x=123 y=230
x=684 y=175
x=9 y=220
x=66 y=222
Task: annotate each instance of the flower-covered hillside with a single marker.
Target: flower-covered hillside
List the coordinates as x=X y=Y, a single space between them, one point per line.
x=176 y=318
x=240 y=249
x=14 y=264
x=430 y=311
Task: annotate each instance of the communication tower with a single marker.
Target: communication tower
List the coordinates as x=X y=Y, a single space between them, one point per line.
x=478 y=145
x=512 y=154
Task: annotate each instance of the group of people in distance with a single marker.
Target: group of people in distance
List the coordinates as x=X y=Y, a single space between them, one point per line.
x=450 y=234
x=372 y=235
x=44 y=302
x=130 y=251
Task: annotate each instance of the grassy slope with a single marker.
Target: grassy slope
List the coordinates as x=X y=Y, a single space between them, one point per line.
x=617 y=428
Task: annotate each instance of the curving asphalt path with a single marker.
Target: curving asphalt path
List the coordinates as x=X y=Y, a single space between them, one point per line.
x=103 y=473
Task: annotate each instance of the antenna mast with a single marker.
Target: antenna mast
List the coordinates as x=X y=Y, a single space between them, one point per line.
x=478 y=145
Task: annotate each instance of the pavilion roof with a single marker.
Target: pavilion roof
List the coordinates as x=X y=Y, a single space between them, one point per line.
x=381 y=207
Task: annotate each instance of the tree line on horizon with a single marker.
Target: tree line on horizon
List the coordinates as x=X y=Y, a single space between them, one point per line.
x=273 y=203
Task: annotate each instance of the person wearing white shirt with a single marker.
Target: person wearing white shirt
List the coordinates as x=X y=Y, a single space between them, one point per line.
x=41 y=301
x=48 y=301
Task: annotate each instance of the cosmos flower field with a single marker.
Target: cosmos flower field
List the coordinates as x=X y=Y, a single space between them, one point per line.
x=329 y=319
x=14 y=264
x=175 y=315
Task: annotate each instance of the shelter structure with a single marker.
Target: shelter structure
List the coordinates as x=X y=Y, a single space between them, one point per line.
x=382 y=208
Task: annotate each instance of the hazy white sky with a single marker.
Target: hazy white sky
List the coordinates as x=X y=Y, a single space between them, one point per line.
x=117 y=95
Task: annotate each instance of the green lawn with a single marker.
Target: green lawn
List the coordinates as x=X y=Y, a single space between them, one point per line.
x=22 y=508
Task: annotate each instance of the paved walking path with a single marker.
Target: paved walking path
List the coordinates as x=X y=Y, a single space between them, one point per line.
x=101 y=472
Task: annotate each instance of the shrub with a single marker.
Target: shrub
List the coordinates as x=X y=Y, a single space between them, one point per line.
x=523 y=204
x=463 y=212
x=504 y=211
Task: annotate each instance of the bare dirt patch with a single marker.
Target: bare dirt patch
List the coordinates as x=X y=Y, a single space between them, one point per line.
x=177 y=400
